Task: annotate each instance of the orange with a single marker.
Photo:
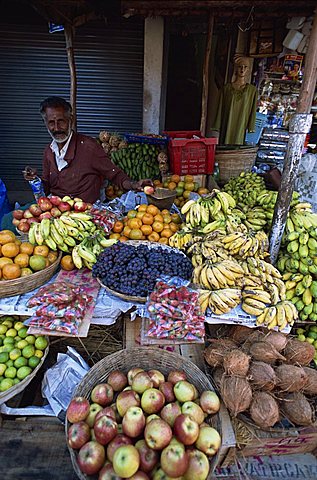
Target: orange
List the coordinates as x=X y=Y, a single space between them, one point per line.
x=4 y=261
x=22 y=259
x=135 y=234
x=114 y=235
x=25 y=272
x=126 y=231
x=26 y=247
x=153 y=210
x=41 y=250
x=118 y=227
x=146 y=229
x=186 y=194
x=166 y=232
x=147 y=219
x=135 y=223
x=175 y=178
x=177 y=202
x=6 y=236
x=176 y=218
x=154 y=237
x=165 y=212
x=173 y=227
x=18 y=242
x=11 y=271
x=52 y=256
x=67 y=263
x=157 y=183
x=142 y=207
x=189 y=186
x=159 y=218
x=140 y=215
x=157 y=226
x=123 y=238
x=202 y=191
x=10 y=250
x=131 y=213
x=163 y=240
x=167 y=218
x=188 y=178
x=171 y=186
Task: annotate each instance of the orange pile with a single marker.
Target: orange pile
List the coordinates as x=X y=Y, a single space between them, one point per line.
x=147 y=223
x=183 y=188
x=16 y=257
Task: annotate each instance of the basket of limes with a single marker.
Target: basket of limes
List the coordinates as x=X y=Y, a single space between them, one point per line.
x=21 y=356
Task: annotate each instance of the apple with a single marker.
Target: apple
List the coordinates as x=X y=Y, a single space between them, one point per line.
x=151 y=417
x=55 y=212
x=141 y=382
x=174 y=460
x=107 y=473
x=35 y=210
x=77 y=199
x=117 y=442
x=118 y=380
x=78 y=434
x=55 y=200
x=105 y=429
x=167 y=389
x=126 y=461
x=208 y=441
x=175 y=441
x=157 y=377
x=88 y=206
x=127 y=388
x=127 y=399
x=148 y=190
x=27 y=214
x=209 y=402
x=107 y=411
x=64 y=206
x=78 y=409
x=91 y=457
x=44 y=204
x=170 y=412
x=152 y=401
x=175 y=376
x=194 y=411
x=79 y=206
x=102 y=394
x=159 y=474
x=15 y=222
x=198 y=467
x=186 y=430
x=94 y=409
x=184 y=391
x=132 y=372
x=133 y=422
x=148 y=457
x=33 y=220
x=45 y=215
x=139 y=475
x=66 y=198
x=157 y=434
x=18 y=214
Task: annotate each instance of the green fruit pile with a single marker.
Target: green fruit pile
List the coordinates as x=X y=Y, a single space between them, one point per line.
x=309 y=335
x=138 y=160
x=20 y=353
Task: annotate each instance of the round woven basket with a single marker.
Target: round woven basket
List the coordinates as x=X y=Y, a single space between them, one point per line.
x=127 y=298
x=232 y=162
x=146 y=358
x=9 y=288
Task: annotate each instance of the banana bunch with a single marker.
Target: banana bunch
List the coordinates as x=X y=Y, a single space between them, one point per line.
x=85 y=254
x=180 y=239
x=257 y=218
x=245 y=188
x=208 y=248
x=247 y=244
x=219 y=301
x=223 y=274
x=62 y=233
x=255 y=301
x=279 y=315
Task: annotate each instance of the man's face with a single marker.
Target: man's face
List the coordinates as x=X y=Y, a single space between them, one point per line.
x=58 y=124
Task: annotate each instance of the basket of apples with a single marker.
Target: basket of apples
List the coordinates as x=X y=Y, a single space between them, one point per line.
x=144 y=413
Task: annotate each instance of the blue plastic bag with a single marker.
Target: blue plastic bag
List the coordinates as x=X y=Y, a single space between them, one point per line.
x=4 y=201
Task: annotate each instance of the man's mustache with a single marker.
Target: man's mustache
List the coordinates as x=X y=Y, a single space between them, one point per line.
x=59 y=133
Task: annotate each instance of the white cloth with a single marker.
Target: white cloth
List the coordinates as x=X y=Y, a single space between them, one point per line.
x=60 y=154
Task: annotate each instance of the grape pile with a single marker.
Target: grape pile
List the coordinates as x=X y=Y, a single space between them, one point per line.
x=134 y=270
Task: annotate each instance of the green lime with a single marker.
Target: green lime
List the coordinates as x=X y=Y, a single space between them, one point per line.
x=34 y=361
x=41 y=343
x=21 y=344
x=5 y=384
x=310 y=340
x=3 y=368
x=11 y=332
x=15 y=381
x=312 y=335
x=8 y=340
x=30 y=339
x=8 y=323
x=1 y=378
x=39 y=353
x=301 y=338
x=313 y=328
x=10 y=372
x=23 y=332
x=7 y=348
x=9 y=363
x=15 y=353
x=20 y=362
x=3 y=328
x=4 y=357
x=18 y=325
x=28 y=351
x=23 y=372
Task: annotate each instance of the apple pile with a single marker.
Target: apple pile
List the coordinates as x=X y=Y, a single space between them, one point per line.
x=47 y=207
x=143 y=425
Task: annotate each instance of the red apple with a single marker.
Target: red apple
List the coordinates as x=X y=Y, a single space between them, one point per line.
x=175 y=376
x=198 y=467
x=152 y=401
x=93 y=411
x=18 y=214
x=27 y=214
x=55 y=212
x=167 y=388
x=35 y=210
x=45 y=215
x=33 y=220
x=157 y=434
x=186 y=430
x=78 y=434
x=148 y=190
x=44 y=204
x=102 y=394
x=184 y=391
x=208 y=441
x=88 y=206
x=174 y=460
x=79 y=206
x=132 y=372
x=23 y=225
x=170 y=412
x=209 y=402
x=126 y=399
x=107 y=411
x=78 y=409
x=194 y=411
x=148 y=457
x=126 y=461
x=157 y=377
x=151 y=417
x=141 y=382
x=133 y=422
x=107 y=473
x=159 y=474
x=91 y=457
x=55 y=200
x=105 y=429
x=118 y=380
x=118 y=441
x=15 y=222
x=66 y=198
x=139 y=475
x=64 y=207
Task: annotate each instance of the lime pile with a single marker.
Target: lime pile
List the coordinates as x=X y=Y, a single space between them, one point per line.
x=20 y=353
x=308 y=334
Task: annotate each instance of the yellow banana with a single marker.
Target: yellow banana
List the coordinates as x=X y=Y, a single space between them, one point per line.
x=251 y=310
x=78 y=262
x=45 y=227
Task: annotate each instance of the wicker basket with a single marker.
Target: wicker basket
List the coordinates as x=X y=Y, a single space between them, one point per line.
x=9 y=288
x=127 y=298
x=162 y=198
x=232 y=162
x=146 y=358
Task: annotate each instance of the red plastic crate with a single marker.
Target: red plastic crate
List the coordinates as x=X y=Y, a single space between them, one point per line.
x=189 y=156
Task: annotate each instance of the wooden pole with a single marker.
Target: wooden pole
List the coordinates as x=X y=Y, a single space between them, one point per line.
x=204 y=100
x=69 y=37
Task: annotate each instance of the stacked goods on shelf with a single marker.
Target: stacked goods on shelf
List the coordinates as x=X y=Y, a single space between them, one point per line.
x=309 y=335
x=111 y=142
x=265 y=376
x=138 y=160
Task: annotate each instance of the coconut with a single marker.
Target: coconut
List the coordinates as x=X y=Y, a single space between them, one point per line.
x=255 y=336
x=217 y=374
x=264 y=410
x=240 y=333
x=290 y=378
x=297 y=409
x=217 y=349
x=262 y=376
x=311 y=386
x=236 y=394
x=297 y=352
x=236 y=362
x=265 y=352
x=277 y=339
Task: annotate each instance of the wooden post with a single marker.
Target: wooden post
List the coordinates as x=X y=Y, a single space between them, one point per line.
x=69 y=37
x=204 y=101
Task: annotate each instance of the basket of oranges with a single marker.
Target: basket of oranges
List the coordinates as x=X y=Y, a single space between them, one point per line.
x=23 y=266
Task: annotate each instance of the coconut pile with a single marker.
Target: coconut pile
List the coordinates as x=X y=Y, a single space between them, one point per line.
x=264 y=374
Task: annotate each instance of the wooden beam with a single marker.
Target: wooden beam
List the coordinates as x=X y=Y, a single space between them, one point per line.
x=204 y=100
x=69 y=37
